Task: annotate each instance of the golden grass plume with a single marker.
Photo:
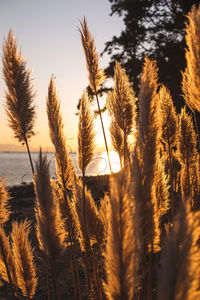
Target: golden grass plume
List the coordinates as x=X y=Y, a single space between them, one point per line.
x=117 y=140
x=180 y=262
x=4 y=206
x=24 y=258
x=86 y=134
x=191 y=76
x=50 y=228
x=7 y=264
x=94 y=224
x=188 y=154
x=96 y=75
x=169 y=117
x=122 y=103
x=19 y=95
x=120 y=258
x=64 y=166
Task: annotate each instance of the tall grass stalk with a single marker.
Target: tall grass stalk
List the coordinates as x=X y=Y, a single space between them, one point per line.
x=144 y=165
x=64 y=170
x=50 y=228
x=85 y=156
x=96 y=75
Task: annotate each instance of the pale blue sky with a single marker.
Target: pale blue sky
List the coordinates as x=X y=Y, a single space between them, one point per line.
x=47 y=33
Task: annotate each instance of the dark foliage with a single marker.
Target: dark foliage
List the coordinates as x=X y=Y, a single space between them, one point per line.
x=155 y=28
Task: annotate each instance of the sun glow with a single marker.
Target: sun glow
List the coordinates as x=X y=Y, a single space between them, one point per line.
x=104 y=166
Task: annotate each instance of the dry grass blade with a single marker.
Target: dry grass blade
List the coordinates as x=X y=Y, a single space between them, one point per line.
x=120 y=257
x=4 y=207
x=96 y=75
x=19 y=95
x=24 y=258
x=50 y=225
x=85 y=134
x=191 y=76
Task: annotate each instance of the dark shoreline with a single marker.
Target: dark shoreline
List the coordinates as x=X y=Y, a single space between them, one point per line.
x=98 y=185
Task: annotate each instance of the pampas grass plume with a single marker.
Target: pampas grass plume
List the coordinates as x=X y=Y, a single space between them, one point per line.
x=50 y=225
x=96 y=75
x=64 y=166
x=24 y=258
x=7 y=266
x=94 y=224
x=169 y=117
x=85 y=134
x=116 y=135
x=19 y=95
x=180 y=262
x=120 y=259
x=191 y=76
x=4 y=207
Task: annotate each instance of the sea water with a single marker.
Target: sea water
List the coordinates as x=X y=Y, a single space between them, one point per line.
x=15 y=166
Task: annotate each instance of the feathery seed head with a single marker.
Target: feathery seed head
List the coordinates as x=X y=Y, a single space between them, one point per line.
x=187 y=141
x=95 y=227
x=85 y=134
x=180 y=262
x=23 y=257
x=122 y=101
x=169 y=117
x=4 y=208
x=64 y=166
x=50 y=225
x=6 y=259
x=96 y=75
x=19 y=95
x=116 y=135
x=120 y=256
x=191 y=76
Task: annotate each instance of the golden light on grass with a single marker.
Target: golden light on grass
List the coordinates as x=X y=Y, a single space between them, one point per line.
x=121 y=228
